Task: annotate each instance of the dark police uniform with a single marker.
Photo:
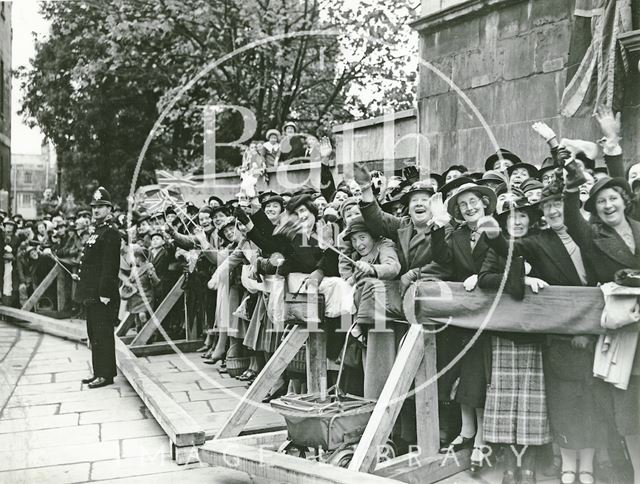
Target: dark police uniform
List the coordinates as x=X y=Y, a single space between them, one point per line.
x=99 y=267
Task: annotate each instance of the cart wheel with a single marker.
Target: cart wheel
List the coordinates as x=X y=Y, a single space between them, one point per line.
x=342 y=458
x=387 y=451
x=289 y=448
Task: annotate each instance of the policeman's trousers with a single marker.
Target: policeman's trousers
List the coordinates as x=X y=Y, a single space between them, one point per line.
x=101 y=321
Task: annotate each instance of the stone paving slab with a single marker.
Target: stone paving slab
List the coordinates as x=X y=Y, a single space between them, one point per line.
x=128 y=430
x=61 y=474
x=34 y=439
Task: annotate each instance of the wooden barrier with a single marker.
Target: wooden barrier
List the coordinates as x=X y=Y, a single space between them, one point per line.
x=42 y=288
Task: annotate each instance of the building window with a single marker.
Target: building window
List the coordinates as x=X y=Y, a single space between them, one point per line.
x=28 y=178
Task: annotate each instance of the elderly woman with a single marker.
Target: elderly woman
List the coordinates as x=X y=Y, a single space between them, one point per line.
x=465 y=251
x=574 y=397
x=515 y=409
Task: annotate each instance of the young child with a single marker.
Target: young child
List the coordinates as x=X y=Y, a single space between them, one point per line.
x=142 y=281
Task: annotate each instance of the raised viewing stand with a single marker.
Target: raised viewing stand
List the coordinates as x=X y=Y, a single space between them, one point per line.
x=193 y=406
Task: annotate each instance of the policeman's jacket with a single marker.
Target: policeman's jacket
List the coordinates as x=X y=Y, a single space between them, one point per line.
x=99 y=265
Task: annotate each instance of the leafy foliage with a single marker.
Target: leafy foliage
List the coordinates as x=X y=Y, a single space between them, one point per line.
x=106 y=71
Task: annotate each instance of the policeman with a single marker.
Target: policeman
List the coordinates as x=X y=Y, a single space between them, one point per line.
x=99 y=266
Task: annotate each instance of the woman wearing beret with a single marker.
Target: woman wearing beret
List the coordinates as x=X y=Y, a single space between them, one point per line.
x=515 y=409
x=465 y=251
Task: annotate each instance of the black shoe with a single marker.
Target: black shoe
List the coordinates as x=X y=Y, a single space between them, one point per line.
x=462 y=443
x=89 y=379
x=101 y=382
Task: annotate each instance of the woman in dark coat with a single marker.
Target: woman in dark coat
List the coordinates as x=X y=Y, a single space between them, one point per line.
x=576 y=401
x=465 y=251
x=610 y=242
x=515 y=409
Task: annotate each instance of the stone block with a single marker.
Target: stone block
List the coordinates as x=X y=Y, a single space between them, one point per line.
x=135 y=466
x=482 y=66
x=29 y=412
x=430 y=83
x=101 y=404
x=36 y=379
x=45 y=398
x=72 y=386
x=552 y=47
x=103 y=416
x=38 y=423
x=542 y=94
x=36 y=439
x=519 y=54
x=513 y=20
x=548 y=11
x=64 y=474
x=129 y=430
x=146 y=446
x=194 y=408
x=482 y=99
x=64 y=454
x=70 y=376
x=458 y=36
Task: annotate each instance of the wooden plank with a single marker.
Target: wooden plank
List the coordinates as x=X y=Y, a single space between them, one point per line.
x=61 y=290
x=159 y=314
x=125 y=324
x=265 y=380
x=165 y=348
x=127 y=339
x=42 y=288
x=390 y=401
x=181 y=428
x=427 y=423
x=74 y=330
x=266 y=464
x=418 y=468
x=316 y=361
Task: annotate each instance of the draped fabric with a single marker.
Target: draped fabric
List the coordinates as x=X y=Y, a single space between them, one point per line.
x=603 y=65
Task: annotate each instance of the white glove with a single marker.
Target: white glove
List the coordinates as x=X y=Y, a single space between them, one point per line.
x=470 y=282
x=439 y=214
x=535 y=284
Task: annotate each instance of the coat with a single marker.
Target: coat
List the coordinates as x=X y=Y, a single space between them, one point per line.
x=383 y=257
x=601 y=246
x=456 y=251
x=100 y=265
x=414 y=248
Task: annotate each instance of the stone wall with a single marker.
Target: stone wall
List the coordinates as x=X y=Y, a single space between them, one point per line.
x=5 y=100
x=508 y=58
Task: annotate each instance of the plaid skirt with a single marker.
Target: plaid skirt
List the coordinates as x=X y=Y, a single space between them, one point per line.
x=516 y=406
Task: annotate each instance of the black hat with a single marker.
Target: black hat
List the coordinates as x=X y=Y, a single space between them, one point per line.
x=226 y=223
x=272 y=197
x=447 y=188
x=437 y=177
x=504 y=188
x=156 y=232
x=356 y=225
x=299 y=200
x=601 y=169
x=18 y=215
x=206 y=209
x=605 y=182
x=460 y=168
x=156 y=216
x=84 y=213
x=217 y=199
x=138 y=217
x=387 y=205
x=532 y=170
x=530 y=184
x=305 y=191
x=547 y=164
x=265 y=195
x=475 y=176
x=417 y=187
x=169 y=209
x=501 y=153
x=8 y=221
x=222 y=208
x=191 y=209
x=492 y=176
x=101 y=197
x=504 y=208
x=553 y=191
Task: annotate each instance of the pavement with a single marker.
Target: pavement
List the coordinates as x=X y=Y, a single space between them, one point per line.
x=54 y=429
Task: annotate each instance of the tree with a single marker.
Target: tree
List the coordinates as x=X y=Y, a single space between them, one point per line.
x=101 y=77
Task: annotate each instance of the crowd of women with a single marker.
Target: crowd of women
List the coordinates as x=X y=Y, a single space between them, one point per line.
x=362 y=243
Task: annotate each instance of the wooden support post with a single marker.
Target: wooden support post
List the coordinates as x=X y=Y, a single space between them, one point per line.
x=390 y=401
x=159 y=314
x=42 y=288
x=61 y=283
x=426 y=395
x=263 y=383
x=316 y=361
x=125 y=324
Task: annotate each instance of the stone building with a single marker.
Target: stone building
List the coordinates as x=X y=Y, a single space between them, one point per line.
x=5 y=103
x=31 y=174
x=508 y=59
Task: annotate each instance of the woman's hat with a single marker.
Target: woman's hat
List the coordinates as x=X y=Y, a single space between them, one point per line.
x=504 y=207
x=481 y=191
x=272 y=131
x=272 y=197
x=532 y=170
x=217 y=199
x=290 y=123
x=605 y=182
x=448 y=188
x=299 y=200
x=417 y=187
x=228 y=222
x=349 y=202
x=459 y=168
x=530 y=184
x=221 y=208
x=356 y=225
x=492 y=176
x=502 y=153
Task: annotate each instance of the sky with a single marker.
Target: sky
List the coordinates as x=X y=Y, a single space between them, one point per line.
x=26 y=19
